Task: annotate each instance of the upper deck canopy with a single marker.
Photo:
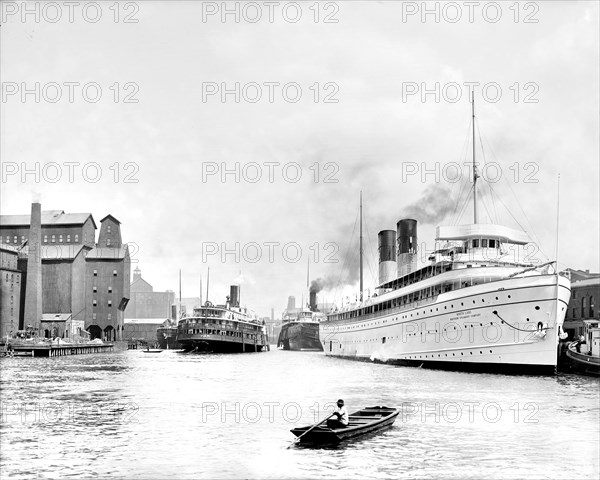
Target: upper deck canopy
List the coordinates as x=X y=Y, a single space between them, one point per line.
x=485 y=230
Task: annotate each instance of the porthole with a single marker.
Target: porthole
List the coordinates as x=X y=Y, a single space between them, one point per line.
x=537 y=307
x=509 y=296
x=496 y=298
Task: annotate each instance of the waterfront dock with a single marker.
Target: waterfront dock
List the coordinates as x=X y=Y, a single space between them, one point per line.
x=45 y=350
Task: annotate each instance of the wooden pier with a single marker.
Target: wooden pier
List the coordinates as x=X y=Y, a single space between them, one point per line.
x=24 y=350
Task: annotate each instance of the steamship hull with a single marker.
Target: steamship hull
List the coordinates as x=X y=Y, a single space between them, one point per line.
x=510 y=325
x=299 y=336
x=167 y=338
x=221 y=336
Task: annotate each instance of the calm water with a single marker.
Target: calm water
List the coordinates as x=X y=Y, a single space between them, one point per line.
x=137 y=415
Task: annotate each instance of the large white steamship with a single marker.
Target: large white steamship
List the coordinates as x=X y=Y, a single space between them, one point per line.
x=478 y=305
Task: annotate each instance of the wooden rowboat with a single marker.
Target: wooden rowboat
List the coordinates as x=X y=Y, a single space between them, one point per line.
x=363 y=421
x=153 y=350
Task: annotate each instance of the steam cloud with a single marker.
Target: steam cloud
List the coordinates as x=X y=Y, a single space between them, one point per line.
x=432 y=207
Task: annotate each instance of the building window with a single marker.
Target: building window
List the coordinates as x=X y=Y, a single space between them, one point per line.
x=15 y=239
x=114 y=273
x=109 y=289
x=45 y=238
x=76 y=238
x=476 y=243
x=68 y=238
x=108 y=242
x=110 y=303
x=110 y=316
x=53 y=238
x=7 y=239
x=95 y=273
x=583 y=306
x=95 y=289
x=108 y=229
x=84 y=237
x=60 y=239
x=22 y=238
x=93 y=316
x=484 y=243
x=94 y=303
x=574 y=313
x=591 y=307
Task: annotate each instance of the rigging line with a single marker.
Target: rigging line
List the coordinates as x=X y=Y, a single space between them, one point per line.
x=482 y=198
x=462 y=182
x=520 y=208
x=462 y=211
x=486 y=182
x=368 y=257
x=337 y=284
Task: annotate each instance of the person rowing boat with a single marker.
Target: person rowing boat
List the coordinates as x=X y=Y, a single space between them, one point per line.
x=342 y=416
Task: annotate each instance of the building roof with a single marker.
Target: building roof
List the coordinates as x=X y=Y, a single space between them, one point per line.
x=149 y=321
x=49 y=218
x=56 y=317
x=110 y=216
x=8 y=248
x=589 y=282
x=107 y=253
x=57 y=252
x=139 y=283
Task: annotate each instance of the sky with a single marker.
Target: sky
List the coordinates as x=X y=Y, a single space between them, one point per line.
x=239 y=135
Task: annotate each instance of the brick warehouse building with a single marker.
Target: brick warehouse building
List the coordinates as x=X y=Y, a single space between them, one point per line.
x=583 y=305
x=10 y=290
x=78 y=276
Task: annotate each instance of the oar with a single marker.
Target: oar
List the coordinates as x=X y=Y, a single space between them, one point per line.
x=315 y=425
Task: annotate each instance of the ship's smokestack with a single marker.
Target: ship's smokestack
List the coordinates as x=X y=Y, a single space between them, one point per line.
x=291 y=302
x=33 y=288
x=234 y=295
x=407 y=246
x=313 y=301
x=386 y=240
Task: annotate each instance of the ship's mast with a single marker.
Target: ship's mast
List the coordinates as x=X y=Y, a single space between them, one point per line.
x=475 y=176
x=180 y=293
x=207 y=283
x=200 y=289
x=361 y=250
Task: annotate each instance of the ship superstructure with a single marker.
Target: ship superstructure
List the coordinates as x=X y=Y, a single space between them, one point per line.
x=222 y=328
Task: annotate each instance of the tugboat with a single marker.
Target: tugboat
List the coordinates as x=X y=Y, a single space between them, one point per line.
x=166 y=336
x=300 y=331
x=583 y=355
x=225 y=328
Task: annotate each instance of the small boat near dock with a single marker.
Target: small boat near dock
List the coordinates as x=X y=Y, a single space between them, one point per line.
x=361 y=422
x=583 y=355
